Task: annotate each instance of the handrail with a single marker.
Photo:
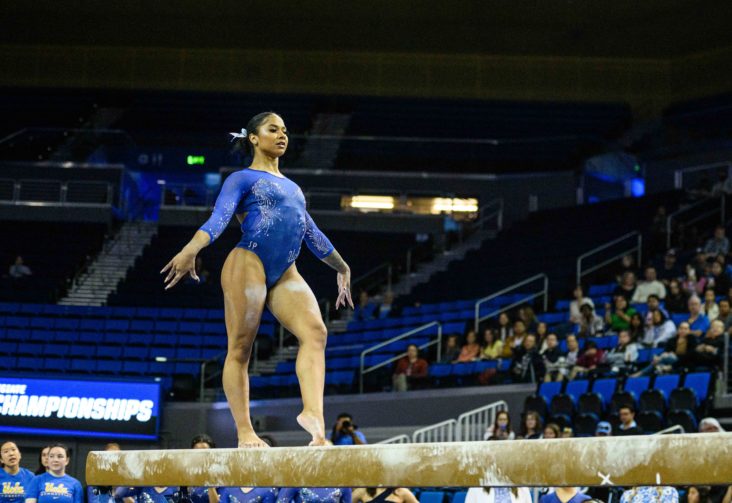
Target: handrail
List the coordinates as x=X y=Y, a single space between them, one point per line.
x=671 y=429
x=544 y=292
x=61 y=188
x=699 y=216
x=203 y=380
x=726 y=363
x=371 y=272
x=637 y=248
x=399 y=439
x=679 y=173
x=444 y=431
x=363 y=370
x=473 y=423
x=483 y=216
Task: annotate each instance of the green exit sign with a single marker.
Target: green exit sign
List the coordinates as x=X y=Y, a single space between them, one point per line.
x=194 y=160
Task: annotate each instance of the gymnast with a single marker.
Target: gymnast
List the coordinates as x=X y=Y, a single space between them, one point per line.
x=261 y=271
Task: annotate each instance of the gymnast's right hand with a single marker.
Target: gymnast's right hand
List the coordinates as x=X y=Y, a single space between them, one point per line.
x=182 y=264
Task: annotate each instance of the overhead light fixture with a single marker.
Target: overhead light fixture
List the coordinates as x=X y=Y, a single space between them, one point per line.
x=455 y=205
x=372 y=202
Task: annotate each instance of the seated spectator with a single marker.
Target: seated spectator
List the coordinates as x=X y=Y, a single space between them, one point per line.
x=527 y=315
x=365 y=308
x=710 y=350
x=590 y=358
x=492 y=346
x=661 y=330
x=623 y=356
x=503 y=328
x=627 y=425
x=698 y=322
x=725 y=313
x=636 y=328
x=590 y=323
x=515 y=339
x=410 y=371
x=541 y=332
x=564 y=495
x=551 y=430
x=451 y=351
x=710 y=308
x=531 y=426
x=627 y=264
x=717 y=244
x=554 y=361
x=670 y=269
x=603 y=429
x=719 y=280
x=651 y=285
x=527 y=364
x=498 y=495
x=627 y=286
x=567 y=432
x=618 y=317
x=653 y=304
x=470 y=350
x=676 y=299
x=345 y=432
x=693 y=282
x=19 y=270
x=677 y=353
x=501 y=428
x=573 y=353
x=386 y=308
x=574 y=306
x=710 y=425
x=382 y=494
x=645 y=494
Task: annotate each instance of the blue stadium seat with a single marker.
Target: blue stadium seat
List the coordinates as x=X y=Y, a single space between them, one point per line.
x=685 y=419
x=92 y=325
x=699 y=382
x=80 y=350
x=16 y=334
x=600 y=290
x=139 y=339
x=553 y=318
x=637 y=385
x=166 y=326
x=135 y=353
x=8 y=362
x=162 y=351
x=29 y=363
x=213 y=328
x=459 y=497
x=111 y=352
x=679 y=318
x=170 y=313
x=547 y=390
x=142 y=326
x=186 y=368
x=217 y=315
x=133 y=367
x=30 y=349
x=90 y=337
x=189 y=327
x=190 y=341
x=453 y=327
x=665 y=384
x=288 y=367
x=162 y=368
x=576 y=388
x=562 y=305
x=42 y=336
x=463 y=369
x=123 y=312
x=431 y=497
x=7 y=308
x=209 y=353
x=117 y=325
x=150 y=313
x=164 y=340
x=438 y=370
x=83 y=366
x=605 y=388
x=17 y=322
x=188 y=354
x=66 y=324
x=41 y=322
x=56 y=364
x=32 y=310
x=108 y=366
x=214 y=341
x=56 y=350
x=193 y=314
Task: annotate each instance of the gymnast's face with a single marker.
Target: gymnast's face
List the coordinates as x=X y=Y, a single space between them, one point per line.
x=57 y=460
x=271 y=138
x=10 y=455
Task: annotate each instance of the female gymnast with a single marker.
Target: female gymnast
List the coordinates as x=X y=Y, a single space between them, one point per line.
x=55 y=486
x=261 y=270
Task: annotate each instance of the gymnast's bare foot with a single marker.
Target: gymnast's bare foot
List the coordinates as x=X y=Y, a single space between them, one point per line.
x=249 y=440
x=313 y=425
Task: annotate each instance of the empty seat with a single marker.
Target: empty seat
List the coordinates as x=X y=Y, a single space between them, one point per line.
x=110 y=352
x=82 y=350
x=683 y=418
x=165 y=339
x=188 y=354
x=135 y=352
x=162 y=352
x=135 y=367
x=30 y=349
x=189 y=327
x=187 y=368
x=166 y=326
x=190 y=341
x=650 y=421
x=590 y=403
x=170 y=313
x=56 y=364
x=665 y=384
x=56 y=350
x=547 y=390
x=143 y=326
x=29 y=363
x=66 y=324
x=42 y=322
x=636 y=385
x=576 y=388
x=652 y=400
x=117 y=325
x=109 y=366
x=585 y=425
x=431 y=497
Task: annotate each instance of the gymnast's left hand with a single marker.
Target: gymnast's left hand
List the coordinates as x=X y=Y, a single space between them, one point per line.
x=344 y=289
x=182 y=264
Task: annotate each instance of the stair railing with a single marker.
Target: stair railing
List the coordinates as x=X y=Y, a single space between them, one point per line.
x=399 y=439
x=697 y=214
x=715 y=166
x=544 y=292
x=444 y=431
x=637 y=248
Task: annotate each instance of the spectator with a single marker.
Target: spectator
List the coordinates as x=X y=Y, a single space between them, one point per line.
x=567 y=432
x=527 y=315
x=653 y=304
x=645 y=494
x=603 y=429
x=661 y=330
x=710 y=425
x=627 y=264
x=589 y=360
x=551 y=430
x=564 y=495
x=527 y=364
x=515 y=339
x=43 y=460
x=573 y=353
x=452 y=350
x=574 y=306
x=624 y=355
x=694 y=283
x=590 y=323
x=365 y=308
x=203 y=494
x=698 y=495
x=627 y=425
x=498 y=495
x=718 y=244
x=725 y=313
x=670 y=269
x=492 y=346
x=627 y=286
x=386 y=308
x=636 y=329
x=698 y=322
x=345 y=432
x=619 y=318
x=719 y=280
x=531 y=426
x=381 y=494
x=470 y=350
x=677 y=353
x=541 y=332
x=676 y=299
x=410 y=371
x=708 y=353
x=503 y=329
x=19 y=270
x=501 y=428
x=651 y=285
x=554 y=361
x=710 y=308
x=12 y=475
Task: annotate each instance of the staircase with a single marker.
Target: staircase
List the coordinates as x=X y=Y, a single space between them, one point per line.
x=100 y=279
x=321 y=151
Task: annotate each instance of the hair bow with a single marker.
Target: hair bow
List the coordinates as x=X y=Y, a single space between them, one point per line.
x=243 y=134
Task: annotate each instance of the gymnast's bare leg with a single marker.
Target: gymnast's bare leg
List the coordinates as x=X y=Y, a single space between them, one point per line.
x=245 y=292
x=294 y=305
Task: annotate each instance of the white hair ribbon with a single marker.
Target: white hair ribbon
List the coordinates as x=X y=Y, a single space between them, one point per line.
x=243 y=134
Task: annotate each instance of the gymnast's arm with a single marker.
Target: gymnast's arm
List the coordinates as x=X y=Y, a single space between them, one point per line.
x=185 y=262
x=213 y=496
x=405 y=495
x=325 y=251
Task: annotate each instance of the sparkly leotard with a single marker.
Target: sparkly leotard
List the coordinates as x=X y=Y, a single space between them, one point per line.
x=314 y=495
x=276 y=222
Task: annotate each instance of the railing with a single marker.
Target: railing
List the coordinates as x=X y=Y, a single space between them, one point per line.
x=677 y=428
x=697 y=214
x=42 y=192
x=543 y=293
x=374 y=277
x=631 y=236
x=438 y=341
x=445 y=431
x=473 y=424
x=716 y=166
x=399 y=439
x=727 y=357
x=186 y=194
x=492 y=211
x=203 y=380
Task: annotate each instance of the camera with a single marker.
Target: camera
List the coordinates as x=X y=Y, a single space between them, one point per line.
x=346 y=425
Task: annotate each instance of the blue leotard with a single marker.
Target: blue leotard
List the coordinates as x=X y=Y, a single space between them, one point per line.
x=314 y=495
x=276 y=222
x=253 y=495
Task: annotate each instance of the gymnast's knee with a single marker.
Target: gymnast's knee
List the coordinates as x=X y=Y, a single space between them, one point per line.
x=315 y=336
x=240 y=349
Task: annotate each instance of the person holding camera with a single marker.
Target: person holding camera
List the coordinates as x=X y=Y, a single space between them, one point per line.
x=345 y=432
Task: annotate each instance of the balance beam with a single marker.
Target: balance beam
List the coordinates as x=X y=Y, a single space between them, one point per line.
x=701 y=459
